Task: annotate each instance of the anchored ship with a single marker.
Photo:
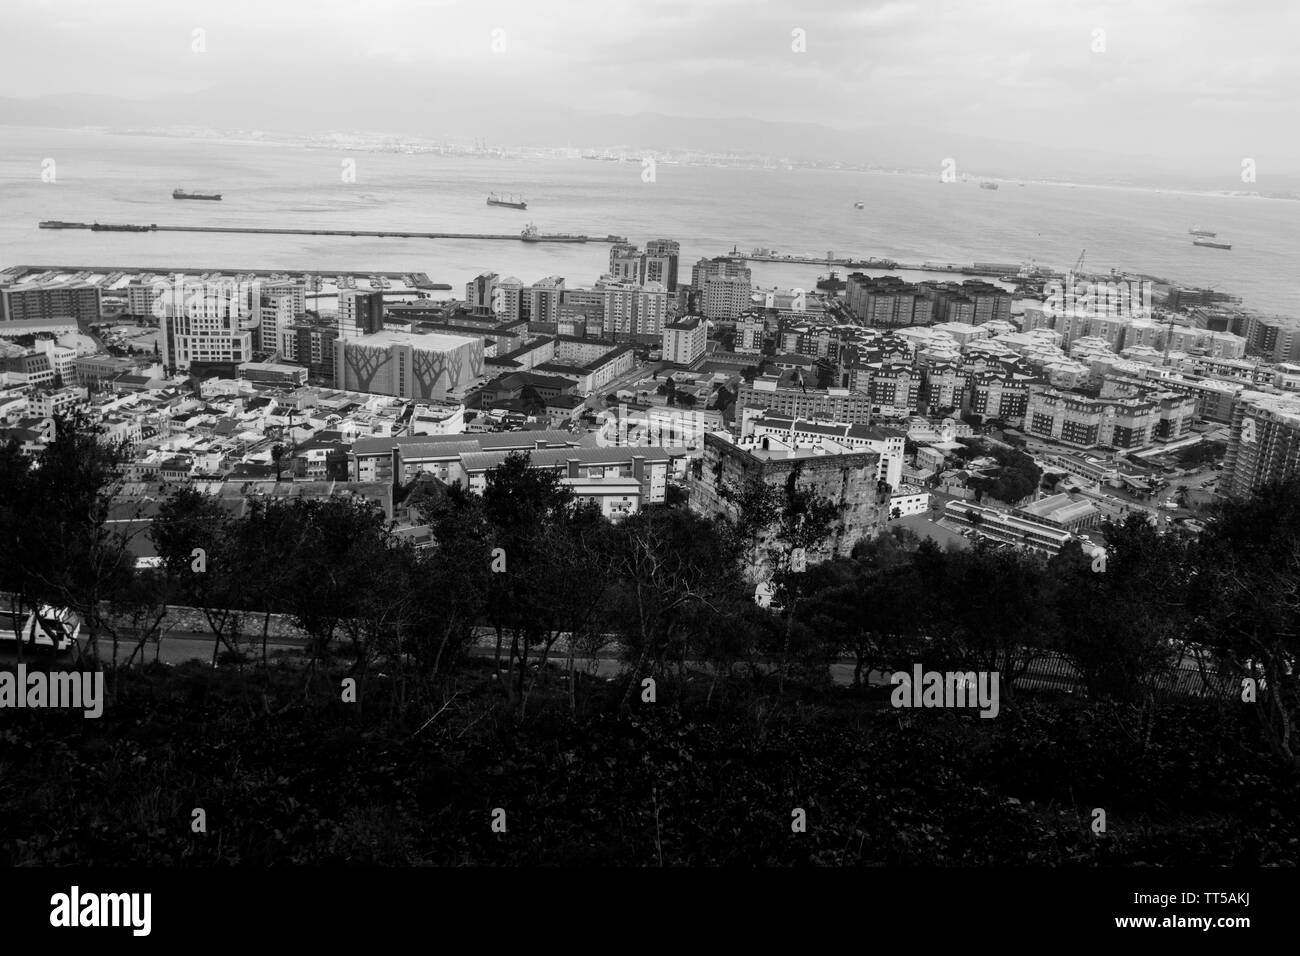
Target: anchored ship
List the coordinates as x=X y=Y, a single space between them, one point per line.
x=182 y=194
x=494 y=200
x=530 y=234
x=1211 y=244
x=1198 y=231
x=831 y=282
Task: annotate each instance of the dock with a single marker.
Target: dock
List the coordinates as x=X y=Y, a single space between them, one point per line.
x=24 y=273
x=888 y=265
x=368 y=233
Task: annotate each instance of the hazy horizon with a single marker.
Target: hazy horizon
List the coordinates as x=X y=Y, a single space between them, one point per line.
x=1173 y=91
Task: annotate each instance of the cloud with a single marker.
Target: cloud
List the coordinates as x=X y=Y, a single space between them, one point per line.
x=996 y=67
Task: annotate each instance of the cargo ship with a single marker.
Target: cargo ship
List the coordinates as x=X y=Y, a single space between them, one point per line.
x=830 y=283
x=182 y=194
x=110 y=227
x=1211 y=244
x=530 y=234
x=494 y=200
x=60 y=224
x=1198 y=231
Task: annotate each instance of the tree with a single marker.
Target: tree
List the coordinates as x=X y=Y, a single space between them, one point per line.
x=779 y=528
x=872 y=614
x=1245 y=598
x=72 y=556
x=196 y=538
x=984 y=606
x=277 y=458
x=673 y=570
x=1126 y=651
x=525 y=509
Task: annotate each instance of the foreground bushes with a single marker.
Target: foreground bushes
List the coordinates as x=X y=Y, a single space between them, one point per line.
x=285 y=779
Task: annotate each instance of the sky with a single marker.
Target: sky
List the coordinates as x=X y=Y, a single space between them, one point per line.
x=1205 y=83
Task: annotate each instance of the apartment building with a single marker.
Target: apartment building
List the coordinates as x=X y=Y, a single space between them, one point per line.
x=1264 y=442
x=794 y=401
x=684 y=341
x=27 y=302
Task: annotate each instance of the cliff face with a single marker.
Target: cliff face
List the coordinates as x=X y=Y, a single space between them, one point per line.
x=847 y=480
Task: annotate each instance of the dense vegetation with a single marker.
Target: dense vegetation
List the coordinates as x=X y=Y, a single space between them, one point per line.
x=1016 y=477
x=745 y=724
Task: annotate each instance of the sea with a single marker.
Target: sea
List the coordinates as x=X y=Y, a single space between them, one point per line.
x=88 y=176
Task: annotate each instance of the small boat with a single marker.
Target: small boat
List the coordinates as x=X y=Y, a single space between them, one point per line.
x=858 y=205
x=988 y=185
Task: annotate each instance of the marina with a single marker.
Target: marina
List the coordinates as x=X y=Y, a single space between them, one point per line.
x=114 y=278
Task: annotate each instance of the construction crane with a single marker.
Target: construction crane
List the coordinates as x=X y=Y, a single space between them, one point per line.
x=1078 y=266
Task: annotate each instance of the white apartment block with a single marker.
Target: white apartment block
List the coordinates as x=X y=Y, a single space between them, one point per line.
x=684 y=341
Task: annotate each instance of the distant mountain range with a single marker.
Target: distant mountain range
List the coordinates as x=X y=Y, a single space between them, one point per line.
x=515 y=121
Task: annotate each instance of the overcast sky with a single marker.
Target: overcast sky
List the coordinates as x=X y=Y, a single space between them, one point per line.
x=1200 y=77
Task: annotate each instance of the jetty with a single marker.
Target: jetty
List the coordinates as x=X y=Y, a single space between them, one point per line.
x=368 y=233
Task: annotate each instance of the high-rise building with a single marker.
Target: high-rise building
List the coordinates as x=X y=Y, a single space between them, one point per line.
x=660 y=263
x=1274 y=338
x=509 y=302
x=545 y=297
x=478 y=293
x=718 y=267
x=1263 y=444
x=361 y=313
x=725 y=298
x=633 y=312
x=278 y=318
x=625 y=263
x=313 y=346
